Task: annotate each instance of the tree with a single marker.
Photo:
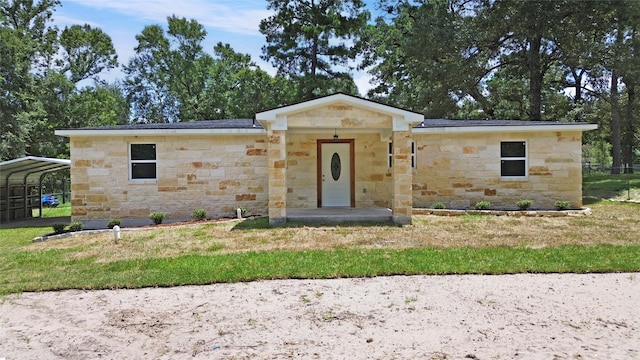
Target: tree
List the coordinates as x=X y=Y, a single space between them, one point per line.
x=165 y=80
x=308 y=40
x=27 y=43
x=39 y=74
x=240 y=88
x=86 y=52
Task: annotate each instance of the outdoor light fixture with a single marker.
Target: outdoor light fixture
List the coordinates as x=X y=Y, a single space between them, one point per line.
x=335 y=136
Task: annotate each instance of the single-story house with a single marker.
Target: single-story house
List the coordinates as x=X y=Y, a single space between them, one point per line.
x=334 y=151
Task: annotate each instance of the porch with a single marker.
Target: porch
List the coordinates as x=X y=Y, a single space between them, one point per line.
x=336 y=215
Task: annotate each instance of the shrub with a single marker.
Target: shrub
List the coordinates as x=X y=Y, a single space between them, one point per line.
x=562 y=205
x=113 y=222
x=199 y=214
x=524 y=204
x=483 y=205
x=58 y=228
x=438 y=205
x=75 y=226
x=157 y=217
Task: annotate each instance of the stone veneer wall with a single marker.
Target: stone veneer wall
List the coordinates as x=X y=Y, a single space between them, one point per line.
x=372 y=175
x=462 y=169
x=215 y=173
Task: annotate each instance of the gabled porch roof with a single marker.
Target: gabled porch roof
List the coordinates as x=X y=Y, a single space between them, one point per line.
x=400 y=119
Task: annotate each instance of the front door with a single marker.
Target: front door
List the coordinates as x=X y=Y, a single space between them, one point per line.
x=336 y=171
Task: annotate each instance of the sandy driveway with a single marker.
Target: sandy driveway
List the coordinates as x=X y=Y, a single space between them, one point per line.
x=593 y=316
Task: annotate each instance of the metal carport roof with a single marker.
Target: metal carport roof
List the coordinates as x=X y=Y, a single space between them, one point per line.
x=24 y=172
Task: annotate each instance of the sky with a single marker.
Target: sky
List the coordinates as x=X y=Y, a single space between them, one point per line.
x=235 y=22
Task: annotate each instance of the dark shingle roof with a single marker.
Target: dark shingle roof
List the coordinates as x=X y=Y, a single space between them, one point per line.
x=252 y=124
x=203 y=124
x=473 y=123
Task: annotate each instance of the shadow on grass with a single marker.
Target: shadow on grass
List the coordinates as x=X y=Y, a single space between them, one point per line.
x=263 y=223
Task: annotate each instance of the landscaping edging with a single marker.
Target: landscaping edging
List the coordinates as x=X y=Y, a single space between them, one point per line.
x=514 y=213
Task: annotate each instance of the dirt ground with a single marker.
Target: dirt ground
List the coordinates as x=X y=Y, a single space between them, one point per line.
x=526 y=316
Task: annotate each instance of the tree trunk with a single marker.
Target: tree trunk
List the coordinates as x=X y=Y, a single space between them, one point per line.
x=615 y=123
x=535 y=79
x=627 y=151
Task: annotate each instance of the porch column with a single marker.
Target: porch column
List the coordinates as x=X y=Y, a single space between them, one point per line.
x=277 y=162
x=402 y=177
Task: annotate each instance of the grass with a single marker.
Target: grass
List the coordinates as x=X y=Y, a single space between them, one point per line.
x=249 y=250
x=615 y=187
x=60 y=210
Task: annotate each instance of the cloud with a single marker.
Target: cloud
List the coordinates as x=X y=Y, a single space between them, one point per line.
x=242 y=17
x=62 y=21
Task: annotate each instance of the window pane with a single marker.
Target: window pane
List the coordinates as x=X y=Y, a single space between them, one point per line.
x=143 y=151
x=143 y=171
x=512 y=149
x=513 y=168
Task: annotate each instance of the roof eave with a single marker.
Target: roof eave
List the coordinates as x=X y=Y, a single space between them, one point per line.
x=503 y=128
x=162 y=132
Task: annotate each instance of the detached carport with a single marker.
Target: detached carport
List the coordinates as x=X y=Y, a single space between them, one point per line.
x=18 y=177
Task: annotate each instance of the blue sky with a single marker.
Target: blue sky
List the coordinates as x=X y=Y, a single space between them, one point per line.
x=229 y=21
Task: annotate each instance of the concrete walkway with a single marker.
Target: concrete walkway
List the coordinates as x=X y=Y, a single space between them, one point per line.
x=36 y=222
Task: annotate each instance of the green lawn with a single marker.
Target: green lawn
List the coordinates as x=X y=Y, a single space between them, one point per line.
x=60 y=210
x=606 y=186
x=606 y=241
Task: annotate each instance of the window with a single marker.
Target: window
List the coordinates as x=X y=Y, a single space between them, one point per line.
x=513 y=159
x=413 y=155
x=142 y=161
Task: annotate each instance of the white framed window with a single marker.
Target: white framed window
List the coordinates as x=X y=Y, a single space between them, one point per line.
x=142 y=162
x=414 y=163
x=513 y=159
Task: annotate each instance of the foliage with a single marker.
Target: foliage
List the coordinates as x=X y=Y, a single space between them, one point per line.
x=562 y=205
x=76 y=226
x=157 y=217
x=40 y=71
x=58 y=228
x=199 y=214
x=524 y=204
x=243 y=211
x=482 y=205
x=597 y=153
x=171 y=78
x=438 y=205
x=529 y=60
x=307 y=41
x=113 y=222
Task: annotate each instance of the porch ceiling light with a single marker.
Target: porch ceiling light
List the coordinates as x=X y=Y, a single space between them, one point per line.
x=335 y=136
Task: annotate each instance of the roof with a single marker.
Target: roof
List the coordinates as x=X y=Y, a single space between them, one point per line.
x=203 y=127
x=29 y=169
x=483 y=126
x=336 y=97
x=203 y=124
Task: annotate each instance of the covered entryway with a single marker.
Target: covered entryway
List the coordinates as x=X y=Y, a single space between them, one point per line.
x=339 y=176
x=336 y=173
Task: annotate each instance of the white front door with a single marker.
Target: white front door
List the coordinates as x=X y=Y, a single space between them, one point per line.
x=336 y=174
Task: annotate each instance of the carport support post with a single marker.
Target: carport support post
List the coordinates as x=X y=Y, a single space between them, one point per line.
x=402 y=177
x=277 y=162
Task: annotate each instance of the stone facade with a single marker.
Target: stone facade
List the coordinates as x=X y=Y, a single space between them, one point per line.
x=462 y=169
x=215 y=173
